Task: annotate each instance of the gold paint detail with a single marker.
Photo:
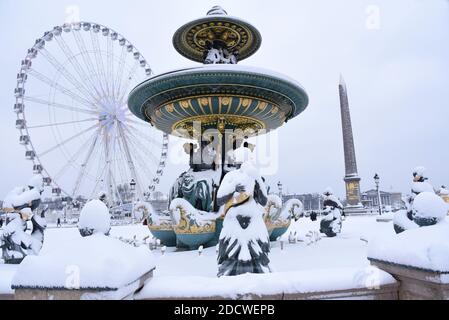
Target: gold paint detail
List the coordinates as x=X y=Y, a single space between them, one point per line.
x=184 y=104
x=235 y=201
x=263 y=105
x=165 y=226
x=190 y=226
x=246 y=102
x=353 y=191
x=242 y=122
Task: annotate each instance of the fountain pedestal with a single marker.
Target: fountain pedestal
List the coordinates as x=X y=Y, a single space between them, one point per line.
x=417 y=283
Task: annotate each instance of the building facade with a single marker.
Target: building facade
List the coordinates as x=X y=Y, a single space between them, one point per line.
x=311 y=201
x=370 y=199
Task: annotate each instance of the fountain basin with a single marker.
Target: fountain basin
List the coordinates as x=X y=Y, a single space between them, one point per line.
x=250 y=99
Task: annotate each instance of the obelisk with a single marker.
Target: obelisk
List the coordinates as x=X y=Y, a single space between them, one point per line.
x=352 y=179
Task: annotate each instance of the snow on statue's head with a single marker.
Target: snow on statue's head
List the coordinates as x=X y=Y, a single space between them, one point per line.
x=328 y=191
x=245 y=160
x=419 y=174
x=94 y=218
x=444 y=190
x=36 y=182
x=102 y=196
x=242 y=155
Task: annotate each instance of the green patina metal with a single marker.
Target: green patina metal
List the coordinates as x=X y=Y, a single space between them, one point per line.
x=272 y=100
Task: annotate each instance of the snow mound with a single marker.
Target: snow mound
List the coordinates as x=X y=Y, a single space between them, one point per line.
x=36 y=182
x=94 y=218
x=400 y=219
x=97 y=261
x=231 y=287
x=418 y=187
x=425 y=248
x=20 y=196
x=429 y=206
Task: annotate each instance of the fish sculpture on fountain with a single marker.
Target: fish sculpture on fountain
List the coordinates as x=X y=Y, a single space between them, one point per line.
x=278 y=217
x=159 y=223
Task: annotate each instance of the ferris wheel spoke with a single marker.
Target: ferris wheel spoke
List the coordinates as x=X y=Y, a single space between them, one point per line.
x=119 y=155
x=142 y=163
x=84 y=165
x=117 y=168
x=100 y=167
x=121 y=67
x=97 y=183
x=61 y=88
x=139 y=123
x=73 y=158
x=67 y=140
x=76 y=65
x=99 y=63
x=142 y=143
x=81 y=44
x=110 y=65
x=65 y=73
x=108 y=164
x=61 y=123
x=58 y=105
x=142 y=135
x=130 y=162
x=128 y=81
x=141 y=146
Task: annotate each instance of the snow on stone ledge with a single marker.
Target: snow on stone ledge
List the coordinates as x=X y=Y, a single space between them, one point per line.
x=230 y=287
x=101 y=262
x=424 y=248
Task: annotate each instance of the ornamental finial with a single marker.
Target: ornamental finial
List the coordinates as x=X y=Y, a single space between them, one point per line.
x=216 y=10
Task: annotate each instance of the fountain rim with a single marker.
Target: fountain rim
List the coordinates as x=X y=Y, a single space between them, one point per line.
x=290 y=89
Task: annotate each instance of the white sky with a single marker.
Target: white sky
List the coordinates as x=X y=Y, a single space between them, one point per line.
x=397 y=77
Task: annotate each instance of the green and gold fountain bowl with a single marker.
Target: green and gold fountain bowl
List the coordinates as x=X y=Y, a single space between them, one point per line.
x=236 y=97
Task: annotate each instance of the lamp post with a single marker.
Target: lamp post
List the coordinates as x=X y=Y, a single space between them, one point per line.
x=64 y=206
x=280 y=189
x=132 y=185
x=377 y=180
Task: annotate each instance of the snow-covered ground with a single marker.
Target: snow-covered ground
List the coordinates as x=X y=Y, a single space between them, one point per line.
x=340 y=259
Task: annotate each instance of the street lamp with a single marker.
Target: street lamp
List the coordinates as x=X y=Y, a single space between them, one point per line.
x=377 y=180
x=132 y=185
x=280 y=189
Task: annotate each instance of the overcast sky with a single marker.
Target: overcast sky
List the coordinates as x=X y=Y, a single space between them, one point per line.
x=394 y=56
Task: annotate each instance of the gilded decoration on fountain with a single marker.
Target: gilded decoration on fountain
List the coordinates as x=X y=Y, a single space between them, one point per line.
x=188 y=225
x=237 y=36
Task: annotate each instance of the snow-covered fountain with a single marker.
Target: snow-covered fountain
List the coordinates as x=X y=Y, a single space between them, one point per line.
x=218 y=106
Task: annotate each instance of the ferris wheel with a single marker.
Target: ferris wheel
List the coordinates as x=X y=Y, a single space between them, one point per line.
x=73 y=119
